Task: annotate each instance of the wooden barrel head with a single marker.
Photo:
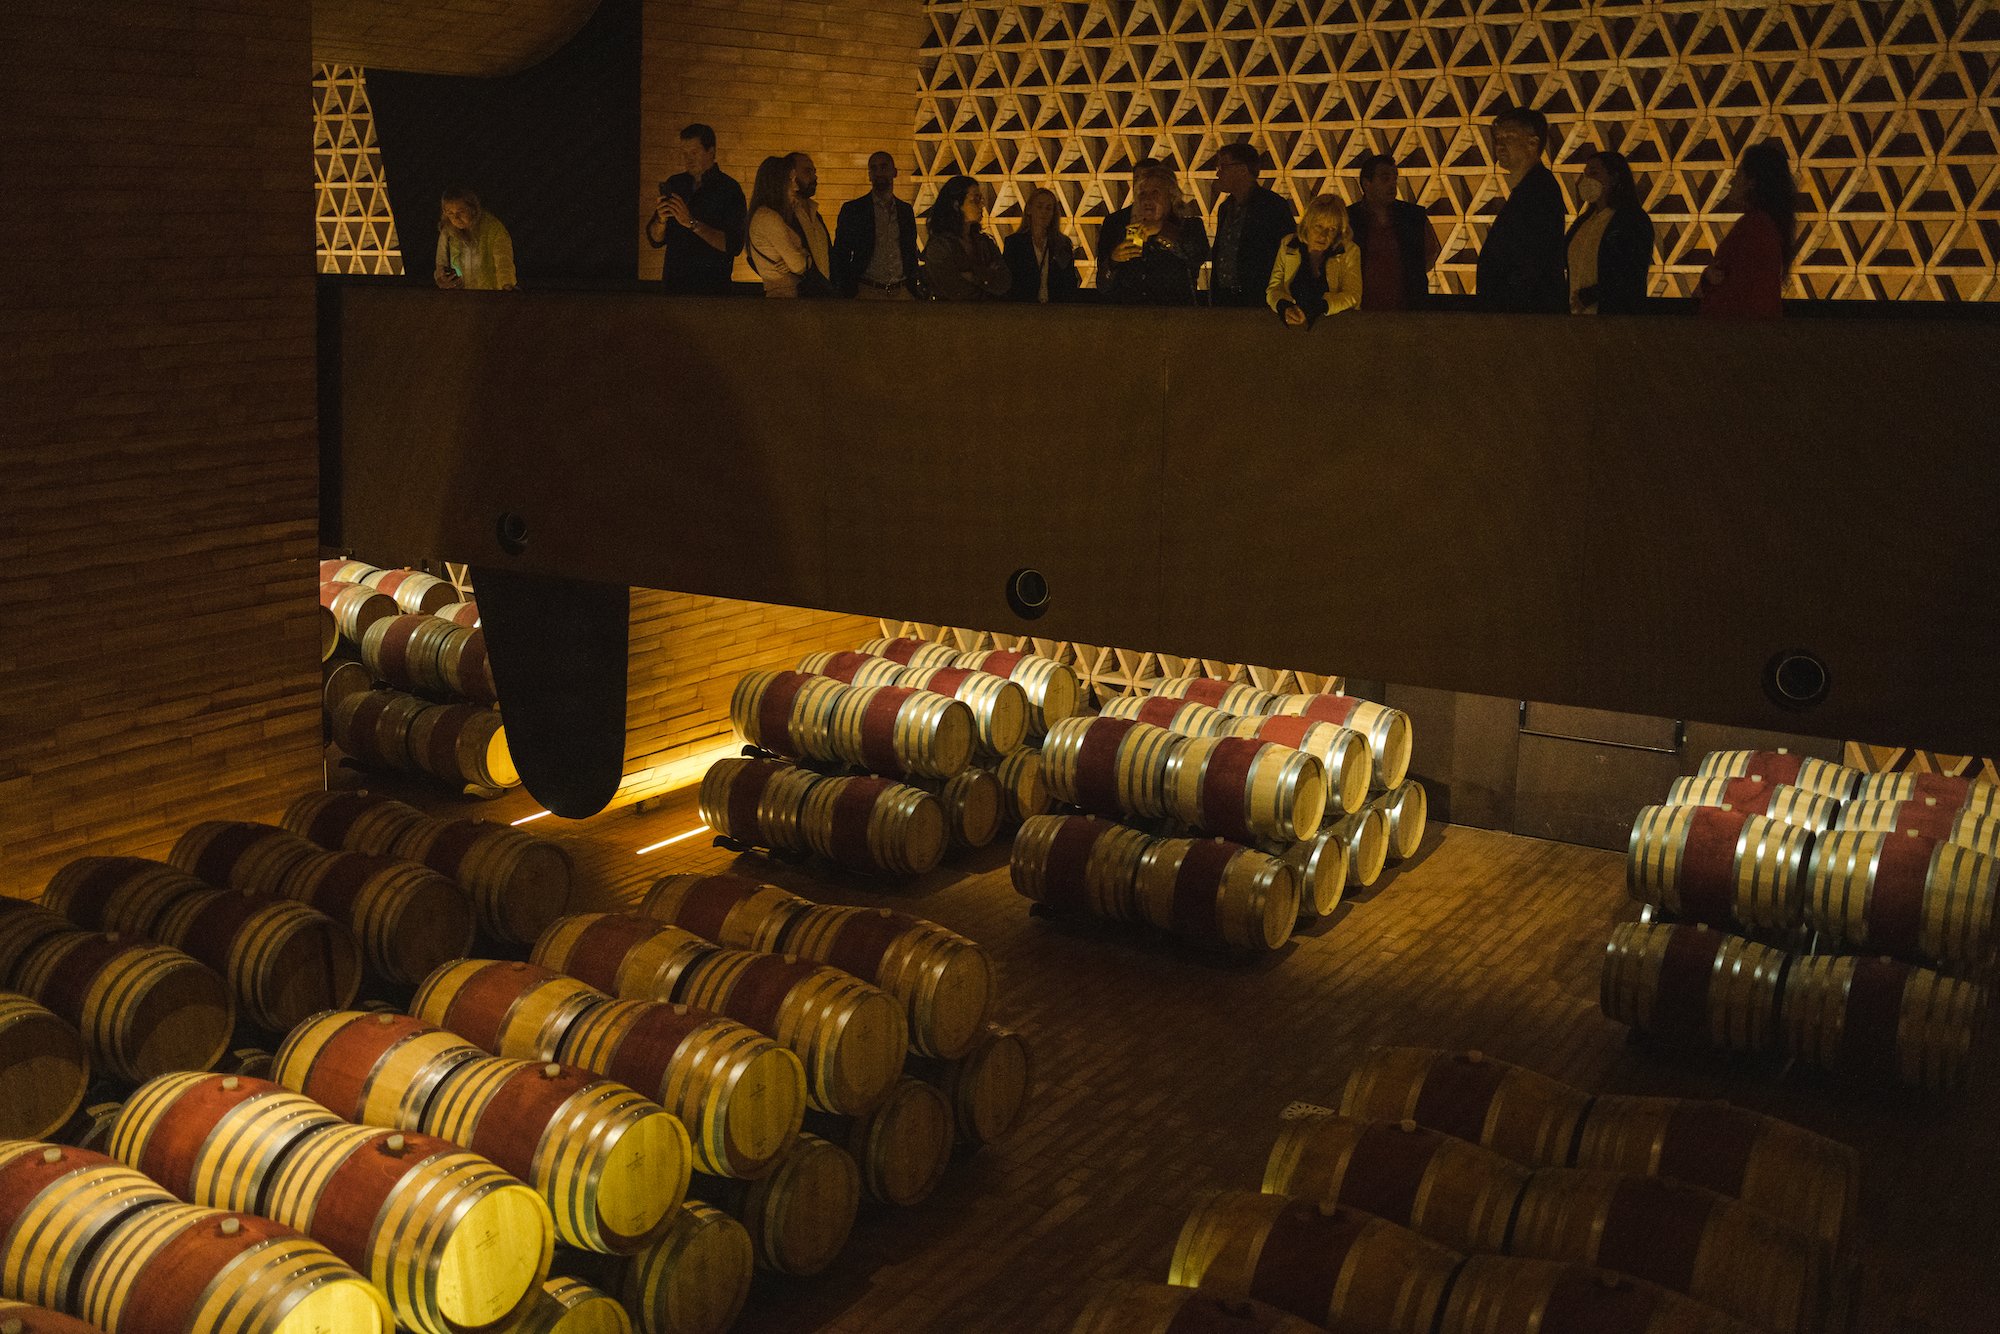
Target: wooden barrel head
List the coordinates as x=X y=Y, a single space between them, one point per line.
x=695 y=1279
x=44 y=1070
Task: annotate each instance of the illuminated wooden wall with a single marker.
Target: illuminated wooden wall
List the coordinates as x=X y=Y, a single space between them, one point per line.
x=357 y=227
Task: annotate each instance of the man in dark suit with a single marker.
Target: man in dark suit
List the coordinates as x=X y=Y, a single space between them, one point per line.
x=1522 y=267
x=875 y=240
x=1251 y=222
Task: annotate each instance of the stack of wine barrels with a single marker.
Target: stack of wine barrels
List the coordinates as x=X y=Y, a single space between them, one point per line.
x=464 y=745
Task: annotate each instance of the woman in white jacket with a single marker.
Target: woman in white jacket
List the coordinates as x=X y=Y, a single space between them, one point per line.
x=1318 y=271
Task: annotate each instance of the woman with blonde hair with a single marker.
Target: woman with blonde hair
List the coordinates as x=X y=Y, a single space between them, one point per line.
x=1319 y=267
x=1041 y=258
x=474 y=252
x=1157 y=262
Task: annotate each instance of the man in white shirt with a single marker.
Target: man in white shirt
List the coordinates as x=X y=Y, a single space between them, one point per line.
x=875 y=241
x=805 y=183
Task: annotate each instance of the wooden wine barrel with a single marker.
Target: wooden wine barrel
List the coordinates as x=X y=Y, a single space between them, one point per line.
x=611 y=1165
x=1183 y=717
x=1366 y=836
x=459 y=613
x=757 y=802
x=463 y=744
x=1110 y=766
x=464 y=668
x=1452 y=1191
x=415 y=592
x=1904 y=895
x=338 y=681
x=403 y=651
x=1242 y=700
x=1824 y=777
x=24 y=1318
x=874 y=825
x=902 y=1148
x=894 y=731
x=353 y=821
x=283 y=960
x=1721 y=1252
x=342 y=568
x=1498 y=1294
x=1519 y=1114
x=1216 y=893
x=1754 y=796
x=973 y=806
x=1334 y=1266
x=695 y=1279
x=329 y=634
x=24 y=925
x=1319 y=865
x=1023 y=789
x=1719 y=867
x=375 y=727
x=117 y=893
x=213 y=1140
x=240 y=855
x=56 y=1207
x=1406 y=810
x=506 y=1008
x=183 y=1266
x=370 y=1066
x=1127 y=1307
x=1243 y=789
x=1342 y=753
x=999 y=707
x=786 y=713
x=943 y=981
x=1051 y=689
x=988 y=1087
x=849 y=1036
x=1388 y=730
x=569 y=1306
x=517 y=883
x=730 y=910
x=408 y=918
x=356 y=607
x=627 y=955
x=1693 y=985
x=1970 y=795
x=853 y=669
x=1881 y=1019
x=798 y=1216
x=1079 y=863
x=142 y=1009
x=455 y=1243
x=912 y=652
x=740 y=1095
x=44 y=1069
x=1981 y=833
x=1808 y=1180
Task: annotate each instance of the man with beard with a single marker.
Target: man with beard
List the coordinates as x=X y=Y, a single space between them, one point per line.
x=805 y=213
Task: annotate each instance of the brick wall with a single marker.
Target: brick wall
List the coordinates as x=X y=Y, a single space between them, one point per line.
x=158 y=631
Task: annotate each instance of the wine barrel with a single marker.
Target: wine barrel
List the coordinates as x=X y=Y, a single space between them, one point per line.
x=1981 y=833
x=611 y=1165
x=1051 y=689
x=740 y=1095
x=943 y=981
x=455 y=1243
x=408 y=918
x=1342 y=753
x=284 y=961
x=627 y=955
x=999 y=707
x=874 y=825
x=757 y=802
x=1079 y=863
x=1721 y=1252
x=893 y=731
x=1127 y=1307
x=142 y=1009
x=568 y=1306
x=727 y=909
x=240 y=855
x=1719 y=866
x=912 y=652
x=988 y=1087
x=459 y=613
x=117 y=893
x=370 y=1066
x=329 y=634
x=849 y=1036
x=1366 y=836
x=345 y=570
x=403 y=651
x=1319 y=865
x=518 y=883
x=1454 y=1192
x=1110 y=766
x=1023 y=789
x=902 y=1148
x=353 y=821
x=415 y=592
x=1334 y=1266
x=1904 y=895
x=1953 y=793
x=356 y=607
x=1405 y=810
x=338 y=681
x=1388 y=730
x=1517 y=1113
x=44 y=1069
x=786 y=713
x=463 y=744
x=24 y=925
x=798 y=1216
x=1239 y=700
x=1881 y=1019
x=1754 y=796
x=1497 y=1294
x=1809 y=1180
x=375 y=727
x=1216 y=893
x=464 y=668
x=695 y=1279
x=183 y=1266
x=56 y=1207
x=1691 y=984
x=213 y=1140
x=1183 y=717
x=24 y=1318
x=972 y=803
x=853 y=669
x=505 y=1008
x=1824 y=777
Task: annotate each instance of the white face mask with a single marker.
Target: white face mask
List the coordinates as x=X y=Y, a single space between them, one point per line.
x=1590 y=190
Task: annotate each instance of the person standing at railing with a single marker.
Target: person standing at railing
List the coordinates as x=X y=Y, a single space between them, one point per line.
x=1041 y=259
x=1611 y=242
x=1318 y=271
x=1250 y=223
x=698 y=222
x=474 y=252
x=1521 y=267
x=777 y=250
x=1747 y=276
x=961 y=262
x=1398 y=245
x=1159 y=261
x=875 y=240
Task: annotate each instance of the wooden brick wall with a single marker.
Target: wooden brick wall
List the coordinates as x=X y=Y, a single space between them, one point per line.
x=836 y=79
x=158 y=633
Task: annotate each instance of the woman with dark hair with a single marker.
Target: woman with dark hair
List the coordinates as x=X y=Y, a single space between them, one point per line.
x=1040 y=257
x=474 y=252
x=1611 y=241
x=960 y=260
x=1156 y=263
x=777 y=250
x=1745 y=279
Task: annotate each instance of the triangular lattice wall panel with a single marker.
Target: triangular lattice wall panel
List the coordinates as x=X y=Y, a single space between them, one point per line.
x=1887 y=109
x=357 y=231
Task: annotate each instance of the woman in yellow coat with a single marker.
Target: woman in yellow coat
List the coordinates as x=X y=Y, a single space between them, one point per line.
x=1318 y=271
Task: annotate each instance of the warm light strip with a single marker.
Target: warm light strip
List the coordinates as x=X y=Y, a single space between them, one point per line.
x=536 y=816
x=702 y=829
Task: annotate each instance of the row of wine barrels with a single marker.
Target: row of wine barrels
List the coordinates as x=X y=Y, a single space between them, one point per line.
x=1343 y=753
x=44 y=1069
x=628 y=955
x=1024 y=790
x=352 y=821
x=911 y=652
x=999 y=708
x=1824 y=777
x=1388 y=730
x=1183 y=717
x=973 y=806
x=1405 y=811
x=415 y=592
x=57 y=1204
x=1953 y=792
x=1244 y=789
x=212 y=1139
x=1078 y=863
x=142 y=1009
x=1719 y=866
x=355 y=607
x=459 y=613
x=430 y=653
x=1235 y=698
x=800 y=1215
x=1904 y=895
x=891 y=730
x=871 y=825
x=1981 y=833
x=460 y=743
x=1754 y=796
x=1109 y=766
x=901 y=1148
x=1446 y=1188
x=730 y=910
x=1052 y=689
x=987 y=1088
x=1519 y=1114
x=117 y=893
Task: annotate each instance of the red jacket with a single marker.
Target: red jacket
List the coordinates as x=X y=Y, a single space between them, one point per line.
x=1751 y=260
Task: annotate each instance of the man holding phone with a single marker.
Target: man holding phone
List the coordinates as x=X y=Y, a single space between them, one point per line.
x=698 y=221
